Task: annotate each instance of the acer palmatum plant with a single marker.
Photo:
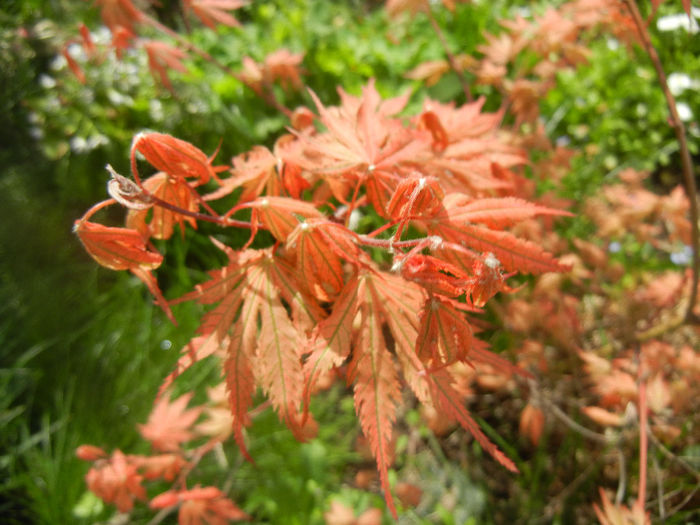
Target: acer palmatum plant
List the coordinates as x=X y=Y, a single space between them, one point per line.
x=456 y=222
x=120 y=479
x=285 y=316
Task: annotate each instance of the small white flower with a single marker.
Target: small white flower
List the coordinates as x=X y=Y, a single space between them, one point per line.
x=47 y=82
x=97 y=140
x=684 y=111
x=58 y=63
x=77 y=52
x=355 y=218
x=119 y=99
x=155 y=110
x=78 y=145
x=673 y=22
x=614 y=247
x=682 y=257
x=102 y=36
x=679 y=82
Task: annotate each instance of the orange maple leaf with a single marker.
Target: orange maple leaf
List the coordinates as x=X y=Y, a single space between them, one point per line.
x=200 y=505
x=160 y=222
x=119 y=13
x=211 y=12
x=162 y=56
x=116 y=480
x=169 y=423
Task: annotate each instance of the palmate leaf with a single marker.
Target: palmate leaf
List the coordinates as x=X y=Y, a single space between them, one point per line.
x=376 y=388
x=362 y=143
x=238 y=370
x=117 y=248
x=477 y=225
x=226 y=288
x=160 y=225
x=448 y=401
x=169 y=423
x=320 y=267
x=496 y=213
x=515 y=254
x=213 y=12
x=331 y=340
x=319 y=247
x=278 y=357
x=445 y=336
x=279 y=215
x=122 y=249
x=171 y=155
x=263 y=345
x=400 y=302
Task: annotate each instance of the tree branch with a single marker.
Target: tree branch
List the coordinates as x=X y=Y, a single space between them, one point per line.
x=450 y=57
x=686 y=161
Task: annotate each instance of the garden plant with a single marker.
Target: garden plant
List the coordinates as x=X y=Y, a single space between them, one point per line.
x=447 y=237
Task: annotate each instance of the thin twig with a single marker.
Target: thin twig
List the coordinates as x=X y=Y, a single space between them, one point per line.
x=659 y=487
x=670 y=455
x=573 y=425
x=685 y=500
x=556 y=503
x=450 y=57
x=643 y=441
x=162 y=514
x=686 y=161
x=622 y=482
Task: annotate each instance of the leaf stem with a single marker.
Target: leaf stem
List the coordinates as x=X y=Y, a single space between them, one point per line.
x=643 y=438
x=686 y=161
x=450 y=57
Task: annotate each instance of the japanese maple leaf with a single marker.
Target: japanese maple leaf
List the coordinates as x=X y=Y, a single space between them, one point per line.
x=119 y=13
x=377 y=392
x=430 y=71
x=115 y=248
x=478 y=225
x=466 y=121
x=200 y=505
x=255 y=172
x=161 y=466
x=283 y=66
x=160 y=222
x=122 y=249
x=262 y=344
x=212 y=12
x=371 y=305
x=175 y=157
x=278 y=215
x=161 y=57
x=116 y=480
x=445 y=335
x=320 y=246
x=362 y=142
x=465 y=147
x=168 y=425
